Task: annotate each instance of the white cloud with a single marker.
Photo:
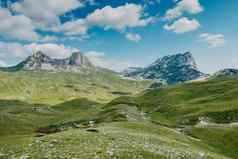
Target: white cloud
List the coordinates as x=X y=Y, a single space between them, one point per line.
x=44 y=15
x=16 y=26
x=78 y=27
x=213 y=40
x=129 y=15
x=45 y=12
x=13 y=51
x=183 y=25
x=188 y=6
x=50 y=49
x=119 y=18
x=99 y=59
x=133 y=37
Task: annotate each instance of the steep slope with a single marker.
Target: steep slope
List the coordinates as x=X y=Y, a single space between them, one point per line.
x=170 y=69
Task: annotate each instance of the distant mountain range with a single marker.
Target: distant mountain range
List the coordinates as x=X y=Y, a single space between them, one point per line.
x=227 y=72
x=170 y=69
x=174 y=69
x=40 y=61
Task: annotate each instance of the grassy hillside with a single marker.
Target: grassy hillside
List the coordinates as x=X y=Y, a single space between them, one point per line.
x=183 y=104
x=204 y=110
x=189 y=121
x=52 y=87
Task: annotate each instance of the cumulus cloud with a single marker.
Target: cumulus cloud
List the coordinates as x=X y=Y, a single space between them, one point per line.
x=48 y=38
x=51 y=49
x=99 y=59
x=133 y=37
x=78 y=27
x=188 y=6
x=45 y=12
x=129 y=15
x=16 y=26
x=119 y=18
x=183 y=25
x=213 y=40
x=12 y=51
x=44 y=15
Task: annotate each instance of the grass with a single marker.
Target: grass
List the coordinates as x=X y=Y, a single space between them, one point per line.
x=224 y=139
x=183 y=104
x=56 y=87
x=114 y=140
x=129 y=122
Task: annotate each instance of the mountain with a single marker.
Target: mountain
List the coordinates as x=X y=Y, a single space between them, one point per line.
x=170 y=69
x=226 y=72
x=40 y=61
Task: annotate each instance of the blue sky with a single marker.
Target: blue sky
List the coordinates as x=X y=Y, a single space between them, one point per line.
x=120 y=33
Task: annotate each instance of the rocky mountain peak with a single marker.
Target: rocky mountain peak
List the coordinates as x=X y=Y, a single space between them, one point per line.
x=78 y=59
x=179 y=60
x=171 y=69
x=40 y=61
x=35 y=61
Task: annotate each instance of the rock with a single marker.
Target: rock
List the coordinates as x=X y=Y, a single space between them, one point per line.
x=25 y=157
x=110 y=152
x=91 y=123
x=54 y=141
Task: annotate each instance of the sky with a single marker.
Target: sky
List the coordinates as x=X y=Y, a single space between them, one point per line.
x=117 y=34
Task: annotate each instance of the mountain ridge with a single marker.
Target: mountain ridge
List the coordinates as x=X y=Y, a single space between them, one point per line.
x=41 y=61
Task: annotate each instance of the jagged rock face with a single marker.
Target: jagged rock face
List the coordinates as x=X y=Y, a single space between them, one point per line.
x=171 y=69
x=40 y=61
x=78 y=59
x=36 y=61
x=227 y=72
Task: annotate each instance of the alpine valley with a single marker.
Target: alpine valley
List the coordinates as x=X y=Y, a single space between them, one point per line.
x=71 y=109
